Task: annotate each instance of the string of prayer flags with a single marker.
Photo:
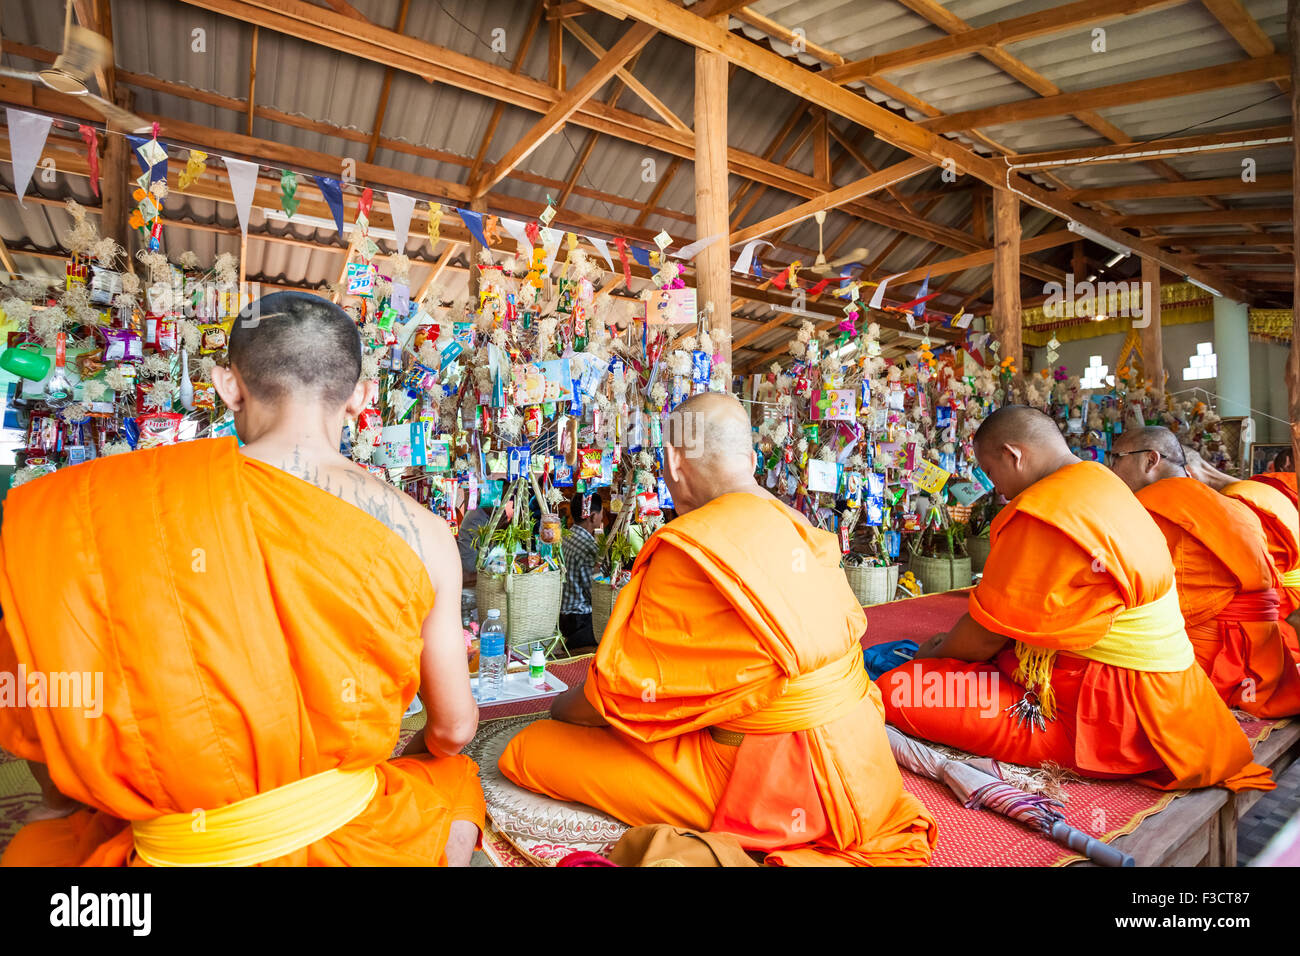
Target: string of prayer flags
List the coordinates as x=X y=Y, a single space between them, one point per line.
x=435 y=222
x=288 y=188
x=195 y=166
x=27 y=133
x=365 y=203
x=642 y=256
x=878 y=298
x=401 y=207
x=243 y=183
x=91 y=137
x=551 y=243
x=572 y=240
x=922 y=297
x=491 y=232
x=333 y=193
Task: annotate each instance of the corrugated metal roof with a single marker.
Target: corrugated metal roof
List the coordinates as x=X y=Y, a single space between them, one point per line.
x=152 y=37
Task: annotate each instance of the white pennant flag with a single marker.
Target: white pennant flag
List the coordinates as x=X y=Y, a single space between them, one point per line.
x=695 y=248
x=401 y=208
x=603 y=248
x=551 y=243
x=518 y=233
x=878 y=299
x=243 y=183
x=27 y=132
x=746 y=257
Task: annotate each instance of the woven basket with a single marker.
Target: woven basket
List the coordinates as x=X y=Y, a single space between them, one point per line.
x=940 y=574
x=978 y=548
x=529 y=603
x=603 y=596
x=873 y=585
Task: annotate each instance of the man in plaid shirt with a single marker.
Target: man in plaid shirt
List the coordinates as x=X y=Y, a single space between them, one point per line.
x=580 y=563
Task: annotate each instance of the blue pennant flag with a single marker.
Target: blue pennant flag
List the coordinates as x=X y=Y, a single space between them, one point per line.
x=758 y=271
x=474 y=223
x=642 y=256
x=333 y=193
x=157 y=172
x=918 y=310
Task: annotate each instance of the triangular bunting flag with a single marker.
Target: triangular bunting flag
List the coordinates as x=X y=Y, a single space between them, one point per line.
x=27 y=133
x=333 y=193
x=518 y=231
x=602 y=247
x=921 y=297
x=695 y=248
x=551 y=243
x=878 y=298
x=243 y=183
x=642 y=256
x=91 y=137
x=401 y=207
x=474 y=223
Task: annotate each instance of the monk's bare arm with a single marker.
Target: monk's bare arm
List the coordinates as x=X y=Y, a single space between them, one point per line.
x=572 y=707
x=444 y=667
x=967 y=641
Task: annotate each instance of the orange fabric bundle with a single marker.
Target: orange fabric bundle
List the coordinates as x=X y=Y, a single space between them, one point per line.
x=251 y=630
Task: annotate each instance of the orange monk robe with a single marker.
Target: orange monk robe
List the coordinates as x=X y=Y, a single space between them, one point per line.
x=1281 y=521
x=251 y=630
x=1069 y=554
x=1227 y=593
x=1283 y=481
x=737 y=616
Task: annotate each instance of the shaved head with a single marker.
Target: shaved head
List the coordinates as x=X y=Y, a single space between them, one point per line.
x=1143 y=456
x=709 y=450
x=297 y=346
x=1018 y=445
x=713 y=429
x=1019 y=424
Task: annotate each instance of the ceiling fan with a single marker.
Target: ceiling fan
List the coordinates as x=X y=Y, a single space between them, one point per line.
x=84 y=51
x=820 y=265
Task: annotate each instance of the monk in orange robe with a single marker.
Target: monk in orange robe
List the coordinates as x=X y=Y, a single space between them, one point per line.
x=728 y=693
x=255 y=622
x=1281 y=521
x=1227 y=585
x=1283 y=481
x=1073 y=650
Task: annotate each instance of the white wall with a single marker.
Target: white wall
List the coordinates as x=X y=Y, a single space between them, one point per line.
x=1267 y=369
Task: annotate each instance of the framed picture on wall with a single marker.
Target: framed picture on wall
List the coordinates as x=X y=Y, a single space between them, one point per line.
x=1261 y=456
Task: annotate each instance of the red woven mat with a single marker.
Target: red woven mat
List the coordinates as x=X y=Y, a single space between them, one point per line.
x=914 y=619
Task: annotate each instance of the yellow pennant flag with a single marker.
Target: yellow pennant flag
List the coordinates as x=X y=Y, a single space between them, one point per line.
x=435 y=221
x=194 y=168
x=572 y=240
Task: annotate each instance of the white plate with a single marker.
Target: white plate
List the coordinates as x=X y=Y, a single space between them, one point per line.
x=516 y=687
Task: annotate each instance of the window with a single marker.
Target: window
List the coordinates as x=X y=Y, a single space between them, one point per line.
x=1204 y=364
x=1096 y=375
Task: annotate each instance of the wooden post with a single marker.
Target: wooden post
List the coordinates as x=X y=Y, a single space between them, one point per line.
x=1293 y=360
x=1078 y=262
x=115 y=187
x=1153 y=355
x=479 y=206
x=713 y=265
x=1006 y=278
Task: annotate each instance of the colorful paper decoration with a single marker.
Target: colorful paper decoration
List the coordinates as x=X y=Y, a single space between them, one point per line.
x=435 y=221
x=91 y=137
x=243 y=183
x=195 y=166
x=151 y=155
x=288 y=189
x=929 y=477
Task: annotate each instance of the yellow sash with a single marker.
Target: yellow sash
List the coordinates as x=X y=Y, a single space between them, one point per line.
x=1291 y=579
x=811 y=700
x=1150 y=637
x=262 y=827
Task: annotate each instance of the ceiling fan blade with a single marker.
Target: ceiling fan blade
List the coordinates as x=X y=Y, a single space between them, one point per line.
x=854 y=256
x=117 y=116
x=84 y=51
x=19 y=75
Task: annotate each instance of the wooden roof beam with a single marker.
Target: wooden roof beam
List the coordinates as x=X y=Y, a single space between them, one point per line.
x=1043 y=23
x=625 y=74
x=637 y=36
x=1257 y=138
x=1230 y=185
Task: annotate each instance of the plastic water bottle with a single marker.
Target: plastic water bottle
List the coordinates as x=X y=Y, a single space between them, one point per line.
x=492 y=657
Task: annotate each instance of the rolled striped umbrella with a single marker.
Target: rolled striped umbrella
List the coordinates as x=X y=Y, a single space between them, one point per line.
x=977 y=785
